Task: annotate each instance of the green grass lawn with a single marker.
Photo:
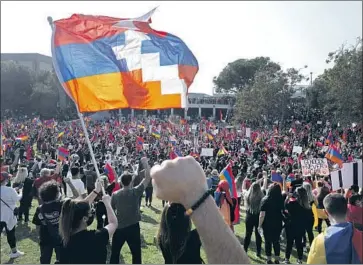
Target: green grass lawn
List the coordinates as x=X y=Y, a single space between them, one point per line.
x=28 y=241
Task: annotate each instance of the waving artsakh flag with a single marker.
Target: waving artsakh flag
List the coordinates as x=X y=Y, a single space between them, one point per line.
x=109 y=63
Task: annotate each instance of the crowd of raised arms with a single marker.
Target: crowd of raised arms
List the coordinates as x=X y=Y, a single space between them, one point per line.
x=206 y=173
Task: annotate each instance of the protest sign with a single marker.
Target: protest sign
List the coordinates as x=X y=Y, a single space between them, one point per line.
x=297 y=150
x=207 y=152
x=350 y=174
x=319 y=166
x=248 y=132
x=145 y=147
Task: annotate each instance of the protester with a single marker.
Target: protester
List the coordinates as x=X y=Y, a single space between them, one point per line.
x=77 y=183
x=182 y=180
x=322 y=216
x=341 y=242
x=82 y=246
x=125 y=202
x=253 y=197
x=178 y=243
x=225 y=202
x=270 y=221
x=9 y=198
x=46 y=218
x=310 y=215
x=298 y=212
x=44 y=177
x=24 y=181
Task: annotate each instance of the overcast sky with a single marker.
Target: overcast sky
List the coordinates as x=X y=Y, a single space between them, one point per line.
x=291 y=33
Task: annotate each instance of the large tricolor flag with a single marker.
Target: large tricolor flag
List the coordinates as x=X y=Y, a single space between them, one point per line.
x=109 y=63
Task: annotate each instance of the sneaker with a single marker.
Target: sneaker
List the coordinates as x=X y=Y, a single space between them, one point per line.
x=258 y=255
x=16 y=254
x=299 y=261
x=277 y=261
x=286 y=261
x=269 y=262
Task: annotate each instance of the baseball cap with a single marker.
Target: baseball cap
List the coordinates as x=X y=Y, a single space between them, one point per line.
x=5 y=176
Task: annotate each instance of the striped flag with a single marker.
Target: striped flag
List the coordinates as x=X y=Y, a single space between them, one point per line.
x=63 y=153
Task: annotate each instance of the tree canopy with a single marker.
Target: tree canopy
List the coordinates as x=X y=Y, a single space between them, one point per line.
x=241 y=73
x=339 y=90
x=27 y=92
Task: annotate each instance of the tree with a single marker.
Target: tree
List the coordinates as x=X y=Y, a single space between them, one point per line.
x=16 y=86
x=338 y=91
x=24 y=92
x=268 y=98
x=240 y=74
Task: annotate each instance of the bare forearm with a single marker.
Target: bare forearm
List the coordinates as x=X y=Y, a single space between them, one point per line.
x=91 y=197
x=111 y=216
x=221 y=245
x=260 y=221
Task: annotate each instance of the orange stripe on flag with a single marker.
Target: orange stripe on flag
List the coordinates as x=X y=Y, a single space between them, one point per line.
x=119 y=90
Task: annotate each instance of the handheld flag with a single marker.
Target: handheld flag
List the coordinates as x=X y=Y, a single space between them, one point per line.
x=334 y=156
x=226 y=174
x=63 y=153
x=139 y=143
x=155 y=133
x=111 y=176
x=106 y=63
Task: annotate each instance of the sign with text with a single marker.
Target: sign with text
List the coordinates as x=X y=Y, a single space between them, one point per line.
x=319 y=166
x=207 y=152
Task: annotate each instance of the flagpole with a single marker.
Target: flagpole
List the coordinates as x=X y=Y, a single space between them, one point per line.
x=80 y=115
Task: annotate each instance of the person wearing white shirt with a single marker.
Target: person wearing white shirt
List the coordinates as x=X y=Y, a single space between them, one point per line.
x=77 y=183
x=9 y=198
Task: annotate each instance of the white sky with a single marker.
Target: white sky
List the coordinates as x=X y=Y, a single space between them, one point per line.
x=291 y=33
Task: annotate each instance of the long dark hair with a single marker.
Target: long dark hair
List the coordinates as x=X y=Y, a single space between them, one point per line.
x=71 y=216
x=323 y=191
x=174 y=230
x=254 y=198
x=302 y=197
x=275 y=196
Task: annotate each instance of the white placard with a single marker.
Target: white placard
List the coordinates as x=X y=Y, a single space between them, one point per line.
x=297 y=150
x=187 y=142
x=118 y=151
x=325 y=149
x=194 y=127
x=248 y=132
x=207 y=152
x=350 y=173
x=319 y=166
x=145 y=146
x=319 y=122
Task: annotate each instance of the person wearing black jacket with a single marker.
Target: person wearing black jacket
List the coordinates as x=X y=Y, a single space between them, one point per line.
x=298 y=209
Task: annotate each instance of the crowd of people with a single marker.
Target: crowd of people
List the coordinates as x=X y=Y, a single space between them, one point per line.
x=48 y=165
